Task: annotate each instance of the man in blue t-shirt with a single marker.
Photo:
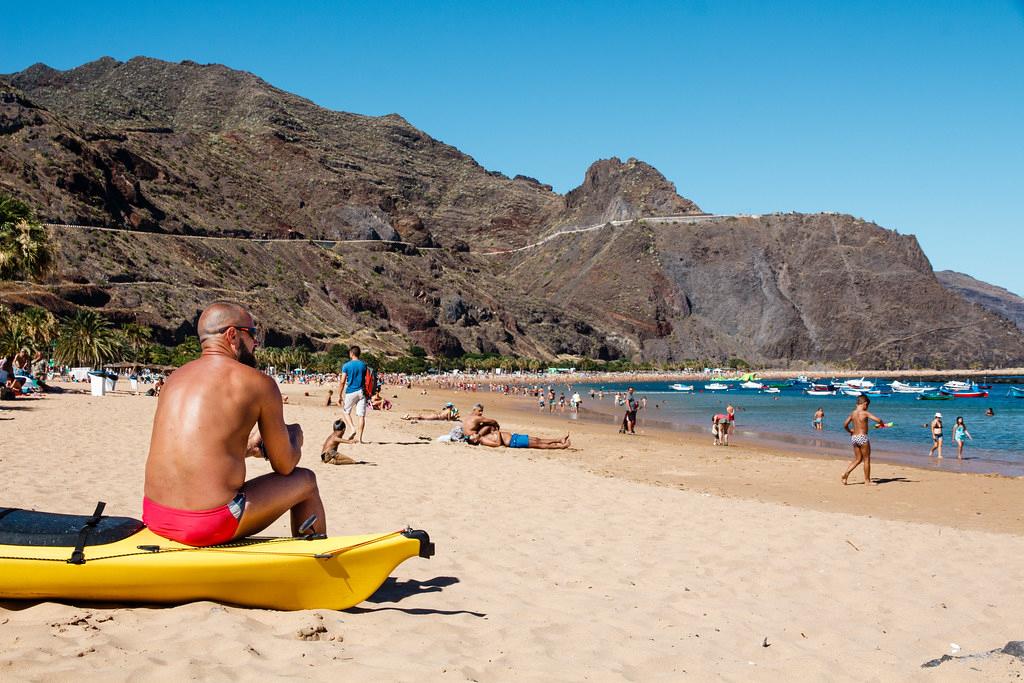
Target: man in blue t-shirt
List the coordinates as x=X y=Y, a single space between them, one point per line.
x=353 y=377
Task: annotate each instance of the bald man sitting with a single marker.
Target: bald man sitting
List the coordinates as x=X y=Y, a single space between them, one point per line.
x=196 y=491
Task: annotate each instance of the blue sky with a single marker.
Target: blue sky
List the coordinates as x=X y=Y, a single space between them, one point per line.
x=908 y=114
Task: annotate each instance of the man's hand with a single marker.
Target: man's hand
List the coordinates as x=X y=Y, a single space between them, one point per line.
x=252 y=447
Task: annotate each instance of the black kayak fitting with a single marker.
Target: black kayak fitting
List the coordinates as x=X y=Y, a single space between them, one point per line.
x=426 y=547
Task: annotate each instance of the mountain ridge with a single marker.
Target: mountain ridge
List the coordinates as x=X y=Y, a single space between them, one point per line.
x=189 y=149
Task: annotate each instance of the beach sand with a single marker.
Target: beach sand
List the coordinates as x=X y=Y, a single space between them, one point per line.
x=648 y=557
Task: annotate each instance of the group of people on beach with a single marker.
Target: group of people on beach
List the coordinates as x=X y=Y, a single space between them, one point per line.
x=218 y=410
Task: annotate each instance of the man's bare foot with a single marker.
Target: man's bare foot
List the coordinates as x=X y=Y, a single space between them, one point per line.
x=844 y=479
x=870 y=483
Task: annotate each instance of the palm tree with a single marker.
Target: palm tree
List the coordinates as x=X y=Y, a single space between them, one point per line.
x=135 y=339
x=40 y=326
x=13 y=338
x=24 y=244
x=86 y=339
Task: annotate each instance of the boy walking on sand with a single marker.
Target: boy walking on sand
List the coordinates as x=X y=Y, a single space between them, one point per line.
x=859 y=438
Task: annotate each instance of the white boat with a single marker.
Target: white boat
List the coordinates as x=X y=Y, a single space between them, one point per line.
x=899 y=387
x=954 y=386
x=771 y=390
x=820 y=392
x=802 y=379
x=716 y=386
x=849 y=391
x=751 y=385
x=681 y=387
x=858 y=384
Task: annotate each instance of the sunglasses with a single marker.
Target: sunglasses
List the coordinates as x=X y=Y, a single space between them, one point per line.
x=253 y=331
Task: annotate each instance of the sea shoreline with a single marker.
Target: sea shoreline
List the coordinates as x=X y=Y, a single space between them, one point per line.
x=799 y=445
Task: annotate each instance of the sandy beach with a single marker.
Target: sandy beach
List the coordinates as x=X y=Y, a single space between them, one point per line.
x=648 y=557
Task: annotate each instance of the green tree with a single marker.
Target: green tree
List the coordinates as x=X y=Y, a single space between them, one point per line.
x=186 y=351
x=24 y=244
x=135 y=340
x=86 y=339
x=13 y=338
x=40 y=326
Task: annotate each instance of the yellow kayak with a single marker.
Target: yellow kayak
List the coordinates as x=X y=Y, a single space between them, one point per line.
x=50 y=556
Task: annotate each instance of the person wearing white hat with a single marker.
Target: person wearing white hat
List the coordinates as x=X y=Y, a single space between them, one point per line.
x=936 y=436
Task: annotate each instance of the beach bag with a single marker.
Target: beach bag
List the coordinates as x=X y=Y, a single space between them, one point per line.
x=369 y=382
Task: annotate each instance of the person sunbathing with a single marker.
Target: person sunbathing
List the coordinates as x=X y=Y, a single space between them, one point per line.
x=449 y=412
x=499 y=438
x=195 y=488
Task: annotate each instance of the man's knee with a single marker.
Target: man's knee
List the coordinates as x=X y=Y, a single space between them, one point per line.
x=306 y=478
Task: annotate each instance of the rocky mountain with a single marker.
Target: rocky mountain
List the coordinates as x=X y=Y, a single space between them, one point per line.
x=990 y=297
x=222 y=186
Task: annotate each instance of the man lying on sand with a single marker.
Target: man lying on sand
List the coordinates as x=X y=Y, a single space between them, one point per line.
x=195 y=490
x=497 y=438
x=449 y=412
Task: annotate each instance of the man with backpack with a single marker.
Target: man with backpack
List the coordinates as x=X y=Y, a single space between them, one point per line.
x=357 y=384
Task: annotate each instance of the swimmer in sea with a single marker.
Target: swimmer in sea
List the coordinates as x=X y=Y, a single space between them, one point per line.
x=819 y=417
x=859 y=419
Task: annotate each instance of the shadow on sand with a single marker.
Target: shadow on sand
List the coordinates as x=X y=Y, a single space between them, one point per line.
x=895 y=480
x=394 y=590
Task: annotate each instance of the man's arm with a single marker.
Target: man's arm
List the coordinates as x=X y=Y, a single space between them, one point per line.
x=282 y=442
x=846 y=425
x=341 y=385
x=872 y=417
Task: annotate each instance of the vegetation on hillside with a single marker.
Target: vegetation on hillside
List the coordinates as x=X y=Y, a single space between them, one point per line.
x=24 y=245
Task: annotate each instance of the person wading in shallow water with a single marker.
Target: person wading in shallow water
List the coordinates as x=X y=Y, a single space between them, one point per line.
x=195 y=490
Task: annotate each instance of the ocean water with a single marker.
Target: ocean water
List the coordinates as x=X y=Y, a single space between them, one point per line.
x=785 y=418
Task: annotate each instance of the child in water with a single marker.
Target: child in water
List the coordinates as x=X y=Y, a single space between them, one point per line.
x=959 y=432
x=859 y=419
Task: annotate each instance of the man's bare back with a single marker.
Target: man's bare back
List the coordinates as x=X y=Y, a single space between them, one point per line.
x=195 y=487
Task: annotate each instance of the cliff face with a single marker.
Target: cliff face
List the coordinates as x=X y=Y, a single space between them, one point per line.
x=771 y=288
x=169 y=152
x=993 y=299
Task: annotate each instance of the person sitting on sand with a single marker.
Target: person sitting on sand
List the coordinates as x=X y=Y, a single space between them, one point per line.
x=329 y=451
x=195 y=488
x=476 y=424
x=330 y=396
x=859 y=438
x=378 y=402
x=498 y=438
x=449 y=412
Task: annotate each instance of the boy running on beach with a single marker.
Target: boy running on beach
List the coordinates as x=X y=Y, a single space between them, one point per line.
x=859 y=438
